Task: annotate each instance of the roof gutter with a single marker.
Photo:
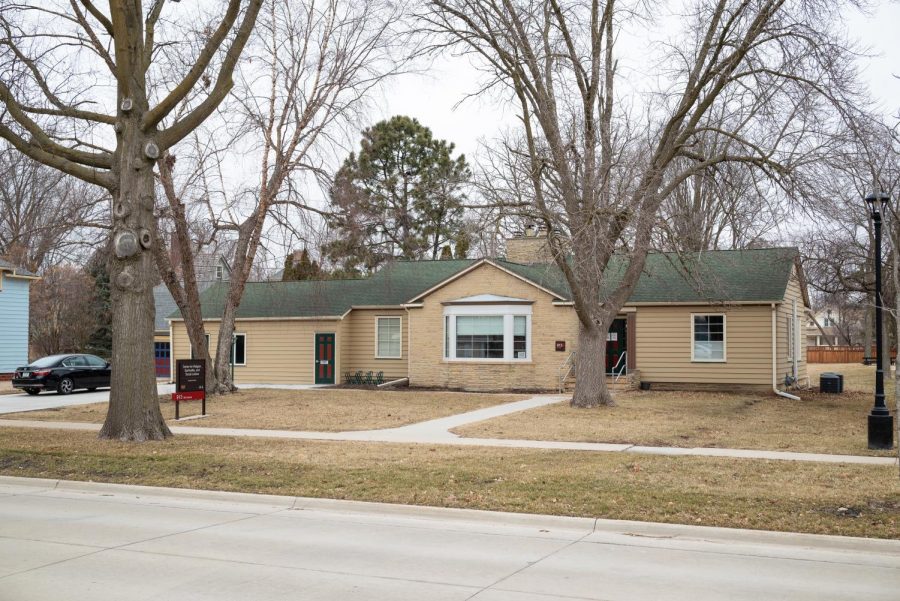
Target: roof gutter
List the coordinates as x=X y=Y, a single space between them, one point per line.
x=775 y=359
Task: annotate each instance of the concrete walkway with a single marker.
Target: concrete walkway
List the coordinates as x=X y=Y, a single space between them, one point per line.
x=436 y=432
x=97 y=542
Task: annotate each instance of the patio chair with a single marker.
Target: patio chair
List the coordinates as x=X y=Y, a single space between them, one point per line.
x=369 y=379
x=358 y=378
x=348 y=377
x=379 y=378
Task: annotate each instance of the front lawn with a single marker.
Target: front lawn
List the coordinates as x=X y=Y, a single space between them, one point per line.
x=857 y=500
x=819 y=423
x=857 y=377
x=321 y=410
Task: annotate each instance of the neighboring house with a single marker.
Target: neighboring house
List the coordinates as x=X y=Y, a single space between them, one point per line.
x=210 y=268
x=15 y=286
x=829 y=334
x=509 y=324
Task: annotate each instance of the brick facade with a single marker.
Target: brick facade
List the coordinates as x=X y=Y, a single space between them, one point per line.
x=427 y=366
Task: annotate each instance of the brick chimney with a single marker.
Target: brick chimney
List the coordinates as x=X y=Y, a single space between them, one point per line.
x=530 y=247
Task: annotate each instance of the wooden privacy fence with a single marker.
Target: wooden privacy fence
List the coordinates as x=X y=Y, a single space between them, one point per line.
x=840 y=354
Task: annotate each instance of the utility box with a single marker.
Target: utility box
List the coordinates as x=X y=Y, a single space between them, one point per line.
x=831 y=383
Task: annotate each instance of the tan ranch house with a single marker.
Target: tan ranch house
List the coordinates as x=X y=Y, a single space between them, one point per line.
x=717 y=319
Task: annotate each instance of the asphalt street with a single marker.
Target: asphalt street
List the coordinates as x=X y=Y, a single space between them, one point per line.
x=97 y=542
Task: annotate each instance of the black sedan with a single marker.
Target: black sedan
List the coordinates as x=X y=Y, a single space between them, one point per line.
x=62 y=373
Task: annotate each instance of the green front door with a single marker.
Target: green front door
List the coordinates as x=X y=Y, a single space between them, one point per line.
x=324 y=354
x=616 y=345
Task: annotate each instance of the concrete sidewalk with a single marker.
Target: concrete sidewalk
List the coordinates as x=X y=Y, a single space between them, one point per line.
x=98 y=542
x=413 y=437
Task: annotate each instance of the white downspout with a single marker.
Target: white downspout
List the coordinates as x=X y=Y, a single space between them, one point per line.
x=775 y=360
x=795 y=343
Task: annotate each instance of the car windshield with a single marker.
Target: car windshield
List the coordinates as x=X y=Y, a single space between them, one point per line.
x=47 y=361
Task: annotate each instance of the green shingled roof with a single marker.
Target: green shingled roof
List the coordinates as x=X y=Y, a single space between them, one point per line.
x=759 y=275
x=392 y=285
x=752 y=275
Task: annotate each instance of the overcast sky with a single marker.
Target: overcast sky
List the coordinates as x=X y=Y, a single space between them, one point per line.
x=432 y=97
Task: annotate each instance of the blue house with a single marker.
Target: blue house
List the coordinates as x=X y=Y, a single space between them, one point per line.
x=14 y=289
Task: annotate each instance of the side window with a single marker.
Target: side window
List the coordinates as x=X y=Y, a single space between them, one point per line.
x=708 y=335
x=75 y=362
x=95 y=361
x=388 y=338
x=239 y=350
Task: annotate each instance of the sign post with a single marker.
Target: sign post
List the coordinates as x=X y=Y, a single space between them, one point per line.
x=190 y=383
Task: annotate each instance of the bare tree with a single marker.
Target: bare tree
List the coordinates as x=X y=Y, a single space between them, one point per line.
x=61 y=318
x=57 y=60
x=189 y=237
x=46 y=216
x=309 y=68
x=598 y=179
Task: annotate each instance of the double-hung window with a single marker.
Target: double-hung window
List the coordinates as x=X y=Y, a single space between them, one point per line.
x=708 y=338
x=487 y=333
x=388 y=338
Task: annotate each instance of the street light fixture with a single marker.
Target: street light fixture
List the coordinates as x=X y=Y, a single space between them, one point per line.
x=881 y=422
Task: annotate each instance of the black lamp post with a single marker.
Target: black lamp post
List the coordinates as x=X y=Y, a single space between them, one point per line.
x=881 y=423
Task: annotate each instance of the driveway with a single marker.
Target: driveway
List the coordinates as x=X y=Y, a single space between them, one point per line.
x=14 y=403
x=100 y=542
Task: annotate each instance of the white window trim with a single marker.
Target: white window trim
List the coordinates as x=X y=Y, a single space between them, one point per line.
x=377 y=325
x=724 y=358
x=509 y=312
x=234 y=350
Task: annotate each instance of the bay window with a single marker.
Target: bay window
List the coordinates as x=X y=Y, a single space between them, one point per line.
x=489 y=333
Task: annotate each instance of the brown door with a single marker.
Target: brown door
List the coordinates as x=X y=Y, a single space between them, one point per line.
x=324 y=365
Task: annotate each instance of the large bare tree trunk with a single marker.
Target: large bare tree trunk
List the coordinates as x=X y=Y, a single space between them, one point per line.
x=133 y=404
x=590 y=372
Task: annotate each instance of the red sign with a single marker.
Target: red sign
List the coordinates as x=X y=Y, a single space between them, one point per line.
x=196 y=395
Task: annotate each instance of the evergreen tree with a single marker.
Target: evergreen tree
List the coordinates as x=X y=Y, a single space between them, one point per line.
x=302 y=269
x=400 y=197
x=462 y=242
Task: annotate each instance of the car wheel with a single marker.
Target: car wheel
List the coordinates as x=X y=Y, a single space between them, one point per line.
x=33 y=391
x=66 y=386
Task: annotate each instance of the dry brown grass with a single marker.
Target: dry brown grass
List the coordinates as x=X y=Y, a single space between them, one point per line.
x=857 y=377
x=771 y=495
x=819 y=423
x=323 y=410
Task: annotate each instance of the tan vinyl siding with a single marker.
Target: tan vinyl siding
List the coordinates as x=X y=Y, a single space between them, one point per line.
x=663 y=341
x=277 y=352
x=783 y=315
x=549 y=324
x=359 y=344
